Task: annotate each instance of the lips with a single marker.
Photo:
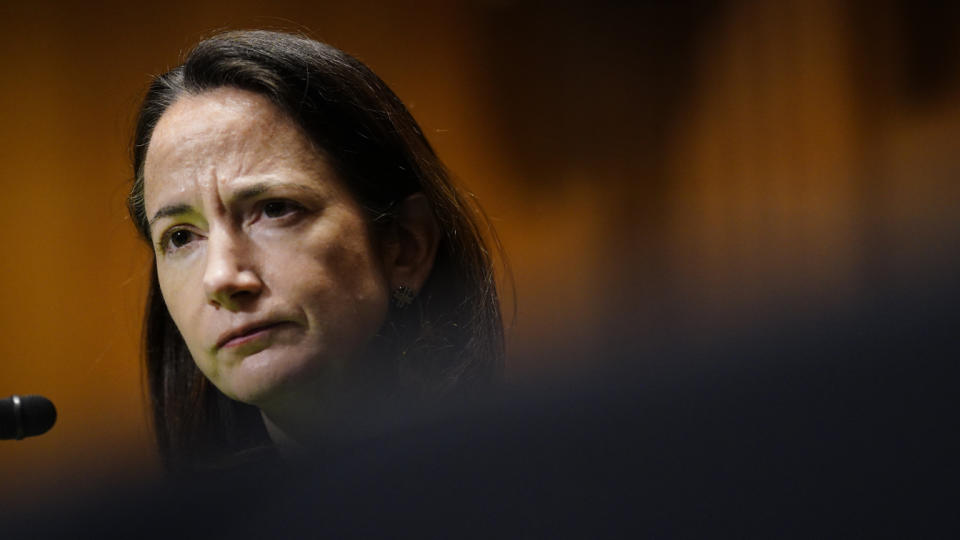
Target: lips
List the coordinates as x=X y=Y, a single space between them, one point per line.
x=246 y=332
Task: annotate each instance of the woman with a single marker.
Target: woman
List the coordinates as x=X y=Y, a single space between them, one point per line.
x=310 y=250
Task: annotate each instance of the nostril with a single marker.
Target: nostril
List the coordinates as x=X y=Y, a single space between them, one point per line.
x=241 y=294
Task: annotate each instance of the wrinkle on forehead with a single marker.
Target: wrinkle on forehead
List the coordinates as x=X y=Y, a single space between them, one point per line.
x=222 y=134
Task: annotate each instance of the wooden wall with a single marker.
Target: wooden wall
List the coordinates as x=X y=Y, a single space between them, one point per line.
x=656 y=172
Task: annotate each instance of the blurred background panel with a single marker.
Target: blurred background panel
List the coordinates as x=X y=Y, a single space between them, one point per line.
x=658 y=172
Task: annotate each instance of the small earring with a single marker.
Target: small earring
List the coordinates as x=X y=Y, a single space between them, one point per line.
x=403 y=296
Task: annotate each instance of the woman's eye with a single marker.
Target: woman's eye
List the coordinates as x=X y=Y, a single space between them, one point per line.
x=178 y=239
x=276 y=209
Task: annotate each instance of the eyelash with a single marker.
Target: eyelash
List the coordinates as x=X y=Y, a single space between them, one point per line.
x=287 y=208
x=165 y=244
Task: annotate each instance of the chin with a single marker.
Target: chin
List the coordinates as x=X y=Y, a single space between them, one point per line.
x=264 y=380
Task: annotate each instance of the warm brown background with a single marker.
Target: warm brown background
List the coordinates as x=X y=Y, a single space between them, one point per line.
x=668 y=170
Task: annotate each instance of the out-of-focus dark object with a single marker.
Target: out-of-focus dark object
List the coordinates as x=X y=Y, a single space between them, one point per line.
x=26 y=416
x=842 y=422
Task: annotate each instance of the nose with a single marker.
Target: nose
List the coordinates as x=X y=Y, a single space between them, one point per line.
x=229 y=280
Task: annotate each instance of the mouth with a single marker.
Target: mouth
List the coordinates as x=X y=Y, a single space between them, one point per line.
x=247 y=333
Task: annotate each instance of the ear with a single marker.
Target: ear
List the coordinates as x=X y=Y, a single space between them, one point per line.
x=411 y=245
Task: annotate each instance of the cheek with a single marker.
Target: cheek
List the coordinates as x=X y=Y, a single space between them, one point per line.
x=356 y=268
x=182 y=302
x=346 y=284
x=172 y=287
x=359 y=265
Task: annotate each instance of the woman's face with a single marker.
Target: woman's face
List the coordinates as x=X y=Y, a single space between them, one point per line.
x=266 y=262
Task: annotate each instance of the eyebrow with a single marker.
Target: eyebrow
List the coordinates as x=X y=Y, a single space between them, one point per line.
x=242 y=194
x=170 y=210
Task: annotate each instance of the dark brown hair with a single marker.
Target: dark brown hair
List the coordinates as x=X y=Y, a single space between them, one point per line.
x=449 y=340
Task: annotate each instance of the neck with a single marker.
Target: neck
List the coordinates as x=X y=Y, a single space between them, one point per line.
x=300 y=428
x=287 y=441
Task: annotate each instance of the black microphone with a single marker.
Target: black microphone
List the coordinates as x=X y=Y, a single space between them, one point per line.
x=25 y=416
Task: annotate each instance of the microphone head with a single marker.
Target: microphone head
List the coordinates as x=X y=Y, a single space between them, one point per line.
x=26 y=416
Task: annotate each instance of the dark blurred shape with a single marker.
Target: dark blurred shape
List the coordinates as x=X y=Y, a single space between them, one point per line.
x=852 y=429
x=26 y=416
x=931 y=32
x=621 y=73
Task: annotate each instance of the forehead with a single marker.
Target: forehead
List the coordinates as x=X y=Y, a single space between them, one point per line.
x=221 y=133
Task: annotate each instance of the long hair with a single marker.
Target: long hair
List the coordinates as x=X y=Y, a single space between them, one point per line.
x=449 y=340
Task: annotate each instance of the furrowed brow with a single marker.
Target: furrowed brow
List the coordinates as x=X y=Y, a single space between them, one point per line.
x=255 y=190
x=245 y=193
